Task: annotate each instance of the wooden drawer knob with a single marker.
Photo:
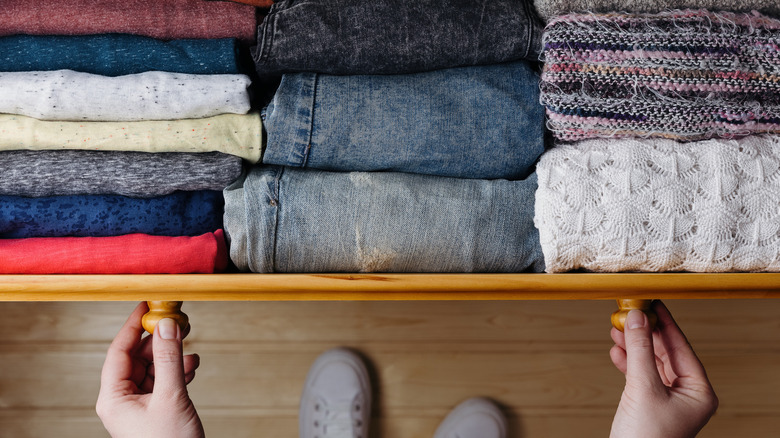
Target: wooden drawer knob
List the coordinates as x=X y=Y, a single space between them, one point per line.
x=625 y=306
x=164 y=309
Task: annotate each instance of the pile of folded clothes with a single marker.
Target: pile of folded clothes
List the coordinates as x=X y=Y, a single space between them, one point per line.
x=120 y=125
x=402 y=138
x=667 y=146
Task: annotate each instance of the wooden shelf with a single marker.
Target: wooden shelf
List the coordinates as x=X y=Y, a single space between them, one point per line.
x=387 y=287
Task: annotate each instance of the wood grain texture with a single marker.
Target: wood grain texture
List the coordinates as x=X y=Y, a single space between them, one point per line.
x=370 y=287
x=545 y=362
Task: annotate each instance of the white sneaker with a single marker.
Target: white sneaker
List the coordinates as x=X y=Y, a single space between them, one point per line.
x=336 y=399
x=473 y=418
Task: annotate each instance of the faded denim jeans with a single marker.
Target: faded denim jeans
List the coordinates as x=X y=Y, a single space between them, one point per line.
x=468 y=122
x=282 y=219
x=348 y=37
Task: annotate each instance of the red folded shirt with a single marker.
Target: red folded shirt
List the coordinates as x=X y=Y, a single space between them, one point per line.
x=128 y=254
x=169 y=19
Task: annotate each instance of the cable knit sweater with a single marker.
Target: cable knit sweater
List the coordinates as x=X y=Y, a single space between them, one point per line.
x=659 y=205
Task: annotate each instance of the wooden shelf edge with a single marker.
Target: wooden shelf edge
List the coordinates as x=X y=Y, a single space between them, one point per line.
x=388 y=287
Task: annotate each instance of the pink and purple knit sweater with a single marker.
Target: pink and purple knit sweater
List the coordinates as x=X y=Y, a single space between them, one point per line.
x=684 y=75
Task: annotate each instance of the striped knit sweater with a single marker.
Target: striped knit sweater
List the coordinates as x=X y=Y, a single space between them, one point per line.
x=683 y=74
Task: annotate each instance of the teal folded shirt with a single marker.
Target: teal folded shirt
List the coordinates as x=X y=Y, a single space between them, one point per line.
x=118 y=54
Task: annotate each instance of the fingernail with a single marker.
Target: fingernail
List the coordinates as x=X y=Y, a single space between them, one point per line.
x=635 y=319
x=167 y=328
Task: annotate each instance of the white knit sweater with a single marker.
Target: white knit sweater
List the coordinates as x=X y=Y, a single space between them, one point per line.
x=659 y=205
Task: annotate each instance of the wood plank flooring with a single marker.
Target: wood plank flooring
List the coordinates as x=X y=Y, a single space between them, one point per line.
x=545 y=362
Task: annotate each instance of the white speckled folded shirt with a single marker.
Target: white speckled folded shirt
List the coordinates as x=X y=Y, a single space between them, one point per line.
x=235 y=134
x=153 y=95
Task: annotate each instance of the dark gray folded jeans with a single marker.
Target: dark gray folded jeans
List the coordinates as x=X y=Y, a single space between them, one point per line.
x=391 y=37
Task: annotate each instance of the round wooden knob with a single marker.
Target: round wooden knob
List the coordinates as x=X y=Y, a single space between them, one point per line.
x=625 y=306
x=164 y=309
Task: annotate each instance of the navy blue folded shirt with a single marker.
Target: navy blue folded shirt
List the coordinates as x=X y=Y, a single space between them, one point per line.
x=177 y=214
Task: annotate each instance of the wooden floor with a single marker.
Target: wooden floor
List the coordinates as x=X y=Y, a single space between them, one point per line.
x=545 y=362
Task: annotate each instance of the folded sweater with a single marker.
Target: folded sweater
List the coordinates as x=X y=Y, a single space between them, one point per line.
x=660 y=205
x=686 y=75
x=548 y=9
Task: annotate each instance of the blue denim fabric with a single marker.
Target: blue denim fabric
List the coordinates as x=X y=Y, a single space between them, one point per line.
x=348 y=37
x=117 y=54
x=468 y=122
x=281 y=219
x=177 y=214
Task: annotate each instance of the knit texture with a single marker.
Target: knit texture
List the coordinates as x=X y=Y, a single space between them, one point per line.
x=547 y=9
x=117 y=54
x=128 y=254
x=660 y=205
x=686 y=75
x=167 y=20
x=136 y=174
x=233 y=134
x=70 y=95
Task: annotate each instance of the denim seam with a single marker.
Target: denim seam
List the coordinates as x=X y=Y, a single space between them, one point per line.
x=276 y=190
x=531 y=21
x=268 y=27
x=307 y=150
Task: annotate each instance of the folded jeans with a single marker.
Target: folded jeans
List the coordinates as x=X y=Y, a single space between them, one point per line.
x=467 y=122
x=281 y=219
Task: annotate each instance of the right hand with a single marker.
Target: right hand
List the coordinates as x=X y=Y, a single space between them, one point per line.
x=667 y=393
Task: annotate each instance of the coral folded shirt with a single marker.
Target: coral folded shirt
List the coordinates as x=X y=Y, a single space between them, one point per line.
x=128 y=254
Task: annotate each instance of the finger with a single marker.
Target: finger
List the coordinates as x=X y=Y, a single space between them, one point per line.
x=189 y=377
x=676 y=351
x=168 y=360
x=118 y=364
x=618 y=337
x=618 y=356
x=191 y=363
x=640 y=357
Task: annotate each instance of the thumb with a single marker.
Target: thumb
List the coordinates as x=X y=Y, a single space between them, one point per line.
x=640 y=355
x=168 y=359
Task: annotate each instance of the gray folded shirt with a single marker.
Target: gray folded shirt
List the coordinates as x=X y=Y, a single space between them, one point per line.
x=135 y=174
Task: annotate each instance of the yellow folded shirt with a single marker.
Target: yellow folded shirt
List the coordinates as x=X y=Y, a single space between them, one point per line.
x=235 y=134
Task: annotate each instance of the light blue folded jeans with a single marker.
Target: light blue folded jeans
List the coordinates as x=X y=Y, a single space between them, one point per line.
x=282 y=219
x=469 y=122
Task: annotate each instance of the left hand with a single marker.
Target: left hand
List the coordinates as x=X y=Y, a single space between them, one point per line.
x=143 y=387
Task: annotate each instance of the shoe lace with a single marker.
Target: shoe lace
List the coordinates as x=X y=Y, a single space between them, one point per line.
x=337 y=420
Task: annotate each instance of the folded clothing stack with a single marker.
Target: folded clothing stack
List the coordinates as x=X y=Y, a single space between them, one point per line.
x=121 y=125
x=666 y=128
x=402 y=138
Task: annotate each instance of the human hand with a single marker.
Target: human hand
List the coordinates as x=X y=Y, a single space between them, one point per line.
x=143 y=387
x=667 y=393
